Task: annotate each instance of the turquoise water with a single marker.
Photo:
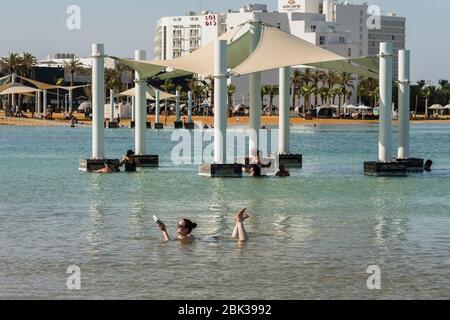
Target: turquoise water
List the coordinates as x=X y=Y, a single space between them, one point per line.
x=312 y=236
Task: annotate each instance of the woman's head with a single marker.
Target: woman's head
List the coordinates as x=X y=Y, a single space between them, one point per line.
x=185 y=227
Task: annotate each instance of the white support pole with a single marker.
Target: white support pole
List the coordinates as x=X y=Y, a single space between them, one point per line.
x=133 y=108
x=141 y=108
x=190 y=106
x=404 y=95
x=177 y=106
x=38 y=103
x=44 y=102
x=284 y=117
x=98 y=101
x=71 y=100
x=255 y=94
x=220 y=102
x=157 y=107
x=66 y=102
x=111 y=103
x=385 y=138
x=13 y=96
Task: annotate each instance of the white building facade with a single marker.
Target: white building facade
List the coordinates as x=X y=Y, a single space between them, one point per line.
x=342 y=28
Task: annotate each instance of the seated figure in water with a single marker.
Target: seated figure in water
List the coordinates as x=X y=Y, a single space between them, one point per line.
x=186 y=226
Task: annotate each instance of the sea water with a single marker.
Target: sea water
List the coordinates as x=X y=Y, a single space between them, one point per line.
x=312 y=236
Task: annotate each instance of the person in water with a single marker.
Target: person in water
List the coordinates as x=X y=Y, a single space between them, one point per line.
x=129 y=161
x=283 y=172
x=428 y=165
x=186 y=226
x=109 y=168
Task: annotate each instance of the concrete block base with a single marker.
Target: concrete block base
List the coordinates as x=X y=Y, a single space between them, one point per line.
x=132 y=124
x=413 y=164
x=291 y=160
x=385 y=169
x=91 y=165
x=189 y=126
x=147 y=161
x=221 y=170
x=113 y=125
x=178 y=125
x=149 y=125
x=159 y=126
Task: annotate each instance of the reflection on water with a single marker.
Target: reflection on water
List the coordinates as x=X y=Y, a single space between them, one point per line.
x=96 y=214
x=311 y=236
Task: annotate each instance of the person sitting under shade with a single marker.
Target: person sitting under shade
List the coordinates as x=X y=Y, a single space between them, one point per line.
x=109 y=168
x=129 y=162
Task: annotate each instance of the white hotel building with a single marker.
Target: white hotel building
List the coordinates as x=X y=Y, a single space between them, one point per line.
x=339 y=27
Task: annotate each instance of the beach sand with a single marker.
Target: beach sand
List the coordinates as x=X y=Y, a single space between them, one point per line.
x=235 y=121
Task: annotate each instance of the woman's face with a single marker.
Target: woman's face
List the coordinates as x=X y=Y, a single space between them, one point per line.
x=182 y=230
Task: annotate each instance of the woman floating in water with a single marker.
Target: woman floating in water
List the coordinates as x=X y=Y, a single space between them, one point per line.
x=186 y=226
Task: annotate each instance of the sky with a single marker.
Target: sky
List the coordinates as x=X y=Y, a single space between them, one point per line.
x=39 y=27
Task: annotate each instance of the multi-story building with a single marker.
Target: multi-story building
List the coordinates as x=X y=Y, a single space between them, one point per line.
x=342 y=28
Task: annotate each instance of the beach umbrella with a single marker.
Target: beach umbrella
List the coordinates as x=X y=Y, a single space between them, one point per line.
x=436 y=107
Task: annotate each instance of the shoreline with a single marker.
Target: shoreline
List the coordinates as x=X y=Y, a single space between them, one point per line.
x=58 y=121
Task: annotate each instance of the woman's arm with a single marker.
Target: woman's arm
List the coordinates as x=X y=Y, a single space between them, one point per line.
x=240 y=228
x=235 y=232
x=164 y=231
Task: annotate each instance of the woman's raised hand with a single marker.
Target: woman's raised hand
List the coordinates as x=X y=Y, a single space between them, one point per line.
x=241 y=216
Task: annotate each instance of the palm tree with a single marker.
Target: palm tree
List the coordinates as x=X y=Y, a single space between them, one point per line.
x=331 y=79
x=428 y=92
x=317 y=77
x=307 y=92
x=73 y=66
x=374 y=93
x=28 y=62
x=346 y=82
x=324 y=94
x=272 y=91
x=231 y=90
x=264 y=93
x=11 y=64
x=295 y=83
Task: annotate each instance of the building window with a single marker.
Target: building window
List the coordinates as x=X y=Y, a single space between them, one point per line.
x=393 y=37
x=322 y=40
x=341 y=40
x=349 y=52
x=313 y=28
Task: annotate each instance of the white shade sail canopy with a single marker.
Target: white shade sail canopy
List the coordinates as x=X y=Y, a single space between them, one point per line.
x=17 y=89
x=4 y=78
x=150 y=93
x=278 y=49
x=200 y=61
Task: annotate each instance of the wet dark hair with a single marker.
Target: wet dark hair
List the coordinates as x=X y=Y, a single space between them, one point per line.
x=189 y=225
x=429 y=163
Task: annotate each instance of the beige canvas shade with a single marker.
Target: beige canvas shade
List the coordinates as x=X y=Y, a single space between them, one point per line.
x=200 y=61
x=40 y=85
x=74 y=87
x=17 y=89
x=344 y=66
x=173 y=74
x=150 y=94
x=4 y=86
x=278 y=49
